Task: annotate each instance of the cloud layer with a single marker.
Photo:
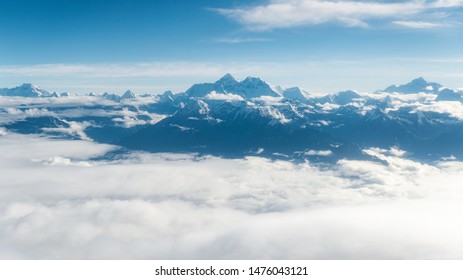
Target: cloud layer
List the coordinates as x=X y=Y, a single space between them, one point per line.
x=294 y=13
x=58 y=201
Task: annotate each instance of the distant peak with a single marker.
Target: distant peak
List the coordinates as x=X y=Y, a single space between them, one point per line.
x=27 y=85
x=419 y=80
x=228 y=76
x=295 y=93
x=128 y=95
x=227 y=79
x=252 y=79
x=348 y=92
x=415 y=86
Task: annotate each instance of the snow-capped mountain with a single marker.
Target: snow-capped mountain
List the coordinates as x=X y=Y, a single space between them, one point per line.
x=250 y=87
x=296 y=93
x=237 y=118
x=341 y=98
x=26 y=90
x=416 y=86
x=128 y=95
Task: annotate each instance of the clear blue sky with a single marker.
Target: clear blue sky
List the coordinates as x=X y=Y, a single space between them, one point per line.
x=153 y=45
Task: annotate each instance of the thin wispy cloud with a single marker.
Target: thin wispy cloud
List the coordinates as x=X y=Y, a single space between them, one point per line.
x=294 y=13
x=446 y=3
x=238 y=40
x=419 y=24
x=151 y=69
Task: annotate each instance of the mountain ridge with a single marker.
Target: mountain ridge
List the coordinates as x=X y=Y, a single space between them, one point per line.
x=237 y=118
x=249 y=88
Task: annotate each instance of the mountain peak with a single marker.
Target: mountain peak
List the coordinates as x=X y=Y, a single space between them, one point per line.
x=28 y=86
x=167 y=96
x=446 y=94
x=419 y=79
x=227 y=79
x=415 y=86
x=295 y=93
x=128 y=95
x=26 y=90
x=254 y=79
x=256 y=87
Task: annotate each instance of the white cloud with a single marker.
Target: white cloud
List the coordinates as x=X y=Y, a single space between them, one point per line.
x=73 y=129
x=62 y=161
x=323 y=153
x=180 y=206
x=226 y=97
x=418 y=24
x=328 y=106
x=446 y=3
x=294 y=13
x=129 y=118
x=452 y=108
x=152 y=69
x=19 y=150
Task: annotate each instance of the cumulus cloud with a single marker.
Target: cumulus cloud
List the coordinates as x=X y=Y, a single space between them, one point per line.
x=60 y=199
x=294 y=13
x=452 y=108
x=225 y=97
x=323 y=153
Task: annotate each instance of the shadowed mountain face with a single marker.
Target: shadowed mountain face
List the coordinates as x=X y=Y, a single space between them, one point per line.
x=234 y=118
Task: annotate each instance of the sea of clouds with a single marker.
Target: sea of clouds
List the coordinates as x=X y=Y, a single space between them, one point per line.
x=63 y=200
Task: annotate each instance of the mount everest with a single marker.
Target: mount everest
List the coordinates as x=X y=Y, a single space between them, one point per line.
x=232 y=118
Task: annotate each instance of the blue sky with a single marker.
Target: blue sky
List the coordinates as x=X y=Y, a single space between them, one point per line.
x=151 y=46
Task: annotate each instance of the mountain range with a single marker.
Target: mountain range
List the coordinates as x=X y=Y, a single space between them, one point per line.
x=232 y=118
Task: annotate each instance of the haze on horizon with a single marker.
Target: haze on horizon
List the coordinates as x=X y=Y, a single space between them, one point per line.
x=153 y=46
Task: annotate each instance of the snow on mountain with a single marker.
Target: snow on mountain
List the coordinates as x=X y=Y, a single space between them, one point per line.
x=25 y=90
x=201 y=90
x=340 y=98
x=255 y=87
x=345 y=97
x=227 y=80
x=416 y=86
x=232 y=117
x=296 y=93
x=167 y=96
x=249 y=88
x=128 y=95
x=111 y=96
